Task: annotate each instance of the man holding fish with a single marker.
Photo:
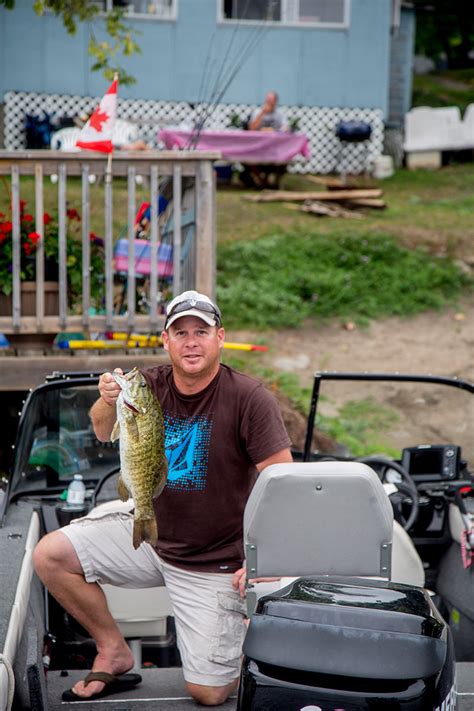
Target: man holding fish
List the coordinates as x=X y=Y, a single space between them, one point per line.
x=193 y=436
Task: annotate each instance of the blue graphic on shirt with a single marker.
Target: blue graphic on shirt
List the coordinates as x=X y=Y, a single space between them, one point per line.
x=187 y=451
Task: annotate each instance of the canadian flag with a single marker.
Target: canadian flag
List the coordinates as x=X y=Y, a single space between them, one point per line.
x=97 y=133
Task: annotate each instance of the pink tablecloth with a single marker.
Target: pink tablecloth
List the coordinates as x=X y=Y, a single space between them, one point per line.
x=243 y=146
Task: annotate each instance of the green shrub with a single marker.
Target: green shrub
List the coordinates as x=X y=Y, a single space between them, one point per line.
x=285 y=278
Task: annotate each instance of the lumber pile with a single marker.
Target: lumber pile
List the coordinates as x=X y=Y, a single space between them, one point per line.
x=339 y=199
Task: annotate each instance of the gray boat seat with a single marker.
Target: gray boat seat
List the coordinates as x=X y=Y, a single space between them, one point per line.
x=140 y=613
x=323 y=518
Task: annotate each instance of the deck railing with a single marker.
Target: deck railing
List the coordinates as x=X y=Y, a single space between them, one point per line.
x=188 y=180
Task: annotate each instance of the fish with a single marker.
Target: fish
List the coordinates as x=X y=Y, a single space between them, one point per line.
x=143 y=465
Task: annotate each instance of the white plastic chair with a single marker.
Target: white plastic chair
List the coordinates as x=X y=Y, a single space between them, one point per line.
x=140 y=613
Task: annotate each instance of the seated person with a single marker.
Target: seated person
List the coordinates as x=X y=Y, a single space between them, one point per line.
x=268 y=117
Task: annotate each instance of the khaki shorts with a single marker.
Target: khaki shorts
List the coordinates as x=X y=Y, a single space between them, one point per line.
x=209 y=613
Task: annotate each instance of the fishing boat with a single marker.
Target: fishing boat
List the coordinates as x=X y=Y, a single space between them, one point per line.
x=342 y=628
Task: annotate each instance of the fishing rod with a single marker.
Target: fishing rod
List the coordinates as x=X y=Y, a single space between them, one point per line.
x=244 y=53
x=198 y=120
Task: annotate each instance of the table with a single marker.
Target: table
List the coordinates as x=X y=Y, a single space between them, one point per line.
x=254 y=147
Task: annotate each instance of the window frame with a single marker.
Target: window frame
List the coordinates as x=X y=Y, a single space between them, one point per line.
x=284 y=22
x=109 y=6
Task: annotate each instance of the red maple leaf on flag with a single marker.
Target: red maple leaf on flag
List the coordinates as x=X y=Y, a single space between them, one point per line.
x=97 y=119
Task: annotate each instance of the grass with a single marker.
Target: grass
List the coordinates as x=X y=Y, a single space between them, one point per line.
x=429 y=209
x=290 y=277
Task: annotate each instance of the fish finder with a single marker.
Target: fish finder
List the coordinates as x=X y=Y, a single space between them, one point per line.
x=428 y=462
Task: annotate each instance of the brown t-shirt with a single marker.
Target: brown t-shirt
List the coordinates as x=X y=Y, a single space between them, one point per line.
x=213 y=441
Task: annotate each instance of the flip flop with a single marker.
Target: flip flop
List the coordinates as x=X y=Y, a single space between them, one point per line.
x=114 y=684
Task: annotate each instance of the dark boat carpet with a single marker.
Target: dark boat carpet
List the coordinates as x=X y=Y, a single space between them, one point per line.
x=164 y=689
x=465 y=686
x=160 y=689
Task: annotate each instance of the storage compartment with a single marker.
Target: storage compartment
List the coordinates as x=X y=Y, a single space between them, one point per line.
x=346 y=643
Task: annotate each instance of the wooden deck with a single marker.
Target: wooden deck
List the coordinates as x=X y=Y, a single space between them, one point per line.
x=189 y=182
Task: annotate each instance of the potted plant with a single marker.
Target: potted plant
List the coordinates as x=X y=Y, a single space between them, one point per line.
x=29 y=240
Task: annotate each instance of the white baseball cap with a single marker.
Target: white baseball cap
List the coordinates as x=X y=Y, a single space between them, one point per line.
x=192 y=303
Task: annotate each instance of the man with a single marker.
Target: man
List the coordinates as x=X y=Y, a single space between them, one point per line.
x=268 y=117
x=227 y=428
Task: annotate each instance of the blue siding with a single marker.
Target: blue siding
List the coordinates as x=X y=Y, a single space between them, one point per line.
x=306 y=66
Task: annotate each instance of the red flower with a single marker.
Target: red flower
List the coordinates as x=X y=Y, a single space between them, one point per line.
x=73 y=214
x=27 y=248
x=34 y=237
x=2 y=237
x=6 y=227
x=27 y=218
x=47 y=218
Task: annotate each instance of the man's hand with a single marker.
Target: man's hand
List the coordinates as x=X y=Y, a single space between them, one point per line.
x=109 y=389
x=238 y=581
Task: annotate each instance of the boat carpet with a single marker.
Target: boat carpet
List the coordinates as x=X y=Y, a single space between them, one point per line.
x=161 y=689
x=164 y=689
x=465 y=686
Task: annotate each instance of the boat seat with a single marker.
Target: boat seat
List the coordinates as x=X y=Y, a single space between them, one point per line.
x=324 y=518
x=140 y=613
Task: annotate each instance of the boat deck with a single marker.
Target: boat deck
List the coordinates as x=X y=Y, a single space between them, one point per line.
x=164 y=689
x=160 y=689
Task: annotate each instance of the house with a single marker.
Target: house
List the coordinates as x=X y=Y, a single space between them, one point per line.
x=329 y=61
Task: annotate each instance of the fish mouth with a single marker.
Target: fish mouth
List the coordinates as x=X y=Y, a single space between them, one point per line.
x=131 y=407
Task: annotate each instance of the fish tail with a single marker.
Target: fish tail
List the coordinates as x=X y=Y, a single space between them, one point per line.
x=145 y=530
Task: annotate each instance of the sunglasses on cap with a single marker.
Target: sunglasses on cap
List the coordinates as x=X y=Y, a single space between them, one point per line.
x=189 y=304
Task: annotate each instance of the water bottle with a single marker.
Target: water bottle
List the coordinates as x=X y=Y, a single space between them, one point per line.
x=76 y=492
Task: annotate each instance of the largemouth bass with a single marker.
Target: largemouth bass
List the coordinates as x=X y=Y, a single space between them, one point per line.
x=143 y=465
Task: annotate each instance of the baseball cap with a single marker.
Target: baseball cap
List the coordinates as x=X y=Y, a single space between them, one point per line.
x=192 y=303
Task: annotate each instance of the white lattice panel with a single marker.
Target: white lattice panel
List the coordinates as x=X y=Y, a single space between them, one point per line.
x=328 y=154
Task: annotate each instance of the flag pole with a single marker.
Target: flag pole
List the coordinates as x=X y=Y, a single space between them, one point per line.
x=108 y=170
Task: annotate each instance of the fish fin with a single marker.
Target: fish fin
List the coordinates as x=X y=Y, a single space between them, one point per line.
x=122 y=489
x=162 y=482
x=132 y=429
x=115 y=431
x=145 y=530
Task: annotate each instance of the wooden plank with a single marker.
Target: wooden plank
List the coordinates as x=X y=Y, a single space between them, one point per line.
x=333 y=183
x=39 y=227
x=63 y=306
x=109 y=255
x=154 y=238
x=131 y=306
x=278 y=195
x=177 y=237
x=28 y=371
x=367 y=202
x=205 y=230
x=86 y=249
x=325 y=209
x=16 y=254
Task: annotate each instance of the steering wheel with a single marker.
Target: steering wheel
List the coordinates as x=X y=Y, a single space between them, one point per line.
x=101 y=483
x=406 y=487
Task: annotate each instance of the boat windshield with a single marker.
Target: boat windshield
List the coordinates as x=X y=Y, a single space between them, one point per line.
x=56 y=441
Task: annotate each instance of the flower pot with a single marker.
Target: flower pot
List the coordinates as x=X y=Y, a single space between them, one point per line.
x=28 y=299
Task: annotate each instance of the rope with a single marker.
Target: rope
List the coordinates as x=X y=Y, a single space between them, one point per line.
x=11 y=680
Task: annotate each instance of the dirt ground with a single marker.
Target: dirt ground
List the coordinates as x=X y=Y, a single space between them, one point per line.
x=436 y=343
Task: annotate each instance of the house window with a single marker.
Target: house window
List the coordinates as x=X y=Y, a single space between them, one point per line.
x=331 y=13
x=161 y=9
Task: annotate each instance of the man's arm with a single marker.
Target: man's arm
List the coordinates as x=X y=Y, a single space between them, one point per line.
x=282 y=457
x=103 y=412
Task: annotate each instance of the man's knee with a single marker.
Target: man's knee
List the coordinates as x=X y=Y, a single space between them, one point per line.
x=54 y=551
x=211 y=695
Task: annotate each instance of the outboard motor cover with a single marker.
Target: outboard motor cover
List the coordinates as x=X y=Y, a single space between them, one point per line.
x=347 y=644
